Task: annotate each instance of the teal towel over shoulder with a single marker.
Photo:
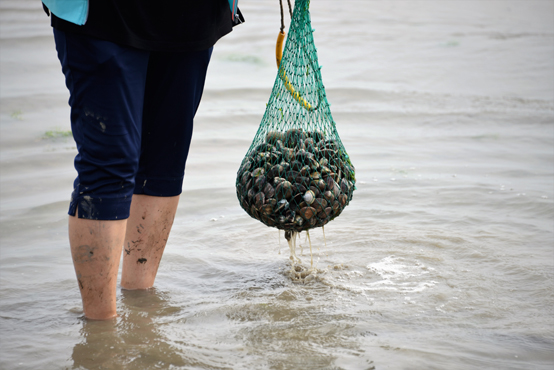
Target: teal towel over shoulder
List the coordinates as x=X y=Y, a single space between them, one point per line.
x=74 y=11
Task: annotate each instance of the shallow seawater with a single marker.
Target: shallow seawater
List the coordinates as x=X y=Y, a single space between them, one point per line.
x=443 y=260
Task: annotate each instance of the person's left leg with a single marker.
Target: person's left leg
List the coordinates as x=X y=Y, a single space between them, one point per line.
x=174 y=87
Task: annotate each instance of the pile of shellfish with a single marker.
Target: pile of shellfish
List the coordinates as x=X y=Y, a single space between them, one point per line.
x=295 y=180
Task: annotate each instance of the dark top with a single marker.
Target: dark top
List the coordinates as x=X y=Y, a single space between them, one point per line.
x=155 y=25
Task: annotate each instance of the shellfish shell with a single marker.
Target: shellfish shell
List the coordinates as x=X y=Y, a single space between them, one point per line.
x=274 y=136
x=269 y=191
x=328 y=195
x=259 y=183
x=266 y=210
x=309 y=197
x=245 y=178
x=319 y=204
x=307 y=212
x=258 y=172
x=342 y=200
x=282 y=206
x=254 y=212
x=259 y=200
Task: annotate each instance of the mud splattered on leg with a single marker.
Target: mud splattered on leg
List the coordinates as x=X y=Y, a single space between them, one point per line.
x=148 y=229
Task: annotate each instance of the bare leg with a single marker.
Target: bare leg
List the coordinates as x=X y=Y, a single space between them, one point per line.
x=96 y=251
x=148 y=228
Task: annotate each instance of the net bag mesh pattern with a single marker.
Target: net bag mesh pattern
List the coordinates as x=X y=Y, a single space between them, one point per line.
x=296 y=175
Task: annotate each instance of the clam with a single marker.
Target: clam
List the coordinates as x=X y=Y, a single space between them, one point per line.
x=332 y=185
x=283 y=190
x=295 y=201
x=245 y=165
x=328 y=196
x=327 y=212
x=259 y=200
x=344 y=186
x=251 y=194
x=254 y=212
x=320 y=184
x=244 y=203
x=342 y=200
x=305 y=170
x=266 y=210
x=291 y=176
x=309 y=197
x=262 y=157
x=259 y=183
x=268 y=220
x=269 y=191
x=276 y=170
x=315 y=175
x=307 y=212
x=249 y=184
x=329 y=182
x=258 y=172
x=294 y=138
x=314 y=164
x=281 y=219
x=319 y=204
x=315 y=190
x=336 y=188
x=278 y=180
x=264 y=147
x=317 y=136
x=310 y=145
x=324 y=170
x=298 y=188
x=274 y=136
x=244 y=178
x=289 y=216
x=336 y=206
x=296 y=165
x=304 y=181
x=298 y=220
x=328 y=154
x=288 y=154
x=274 y=158
x=281 y=206
x=328 y=144
x=279 y=145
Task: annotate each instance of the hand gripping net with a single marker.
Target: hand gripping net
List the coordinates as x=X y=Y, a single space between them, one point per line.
x=296 y=174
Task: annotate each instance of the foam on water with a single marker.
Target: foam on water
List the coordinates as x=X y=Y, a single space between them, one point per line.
x=397 y=275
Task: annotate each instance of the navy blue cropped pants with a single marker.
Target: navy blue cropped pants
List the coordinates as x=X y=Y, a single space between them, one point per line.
x=132 y=119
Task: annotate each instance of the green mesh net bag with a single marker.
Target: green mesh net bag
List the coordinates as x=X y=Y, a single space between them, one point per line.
x=296 y=174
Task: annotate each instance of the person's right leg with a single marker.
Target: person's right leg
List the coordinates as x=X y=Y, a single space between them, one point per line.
x=106 y=84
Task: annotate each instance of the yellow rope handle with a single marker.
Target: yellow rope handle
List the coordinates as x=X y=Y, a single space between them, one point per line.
x=278 y=56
